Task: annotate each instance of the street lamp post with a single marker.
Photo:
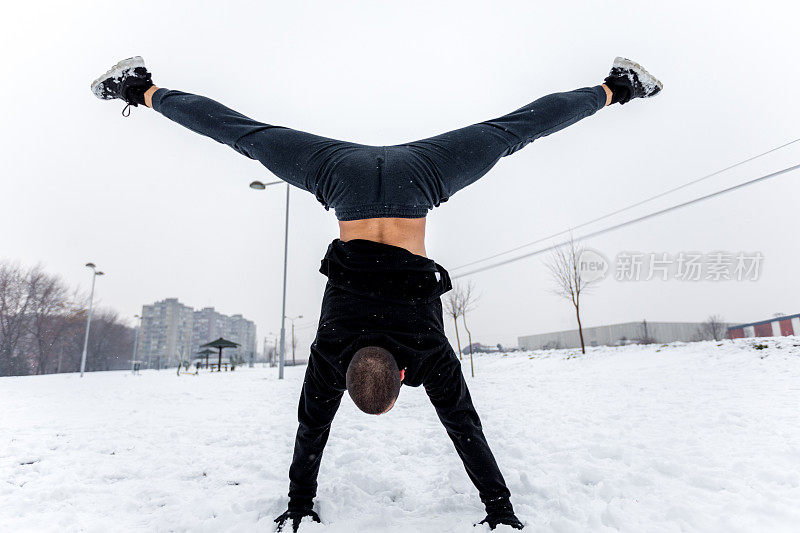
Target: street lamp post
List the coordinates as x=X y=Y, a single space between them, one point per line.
x=259 y=186
x=292 y=321
x=135 y=340
x=95 y=273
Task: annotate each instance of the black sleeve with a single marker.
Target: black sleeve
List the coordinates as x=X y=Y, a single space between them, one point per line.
x=448 y=393
x=319 y=401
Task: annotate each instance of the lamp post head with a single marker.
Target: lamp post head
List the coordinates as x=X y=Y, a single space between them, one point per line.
x=90 y=265
x=98 y=273
x=257 y=185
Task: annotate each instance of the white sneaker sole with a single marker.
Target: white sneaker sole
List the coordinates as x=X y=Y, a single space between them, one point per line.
x=116 y=72
x=647 y=80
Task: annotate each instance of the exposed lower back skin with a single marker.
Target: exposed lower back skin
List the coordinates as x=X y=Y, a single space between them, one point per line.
x=408 y=233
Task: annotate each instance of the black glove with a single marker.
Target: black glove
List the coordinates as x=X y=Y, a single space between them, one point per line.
x=507 y=518
x=500 y=511
x=295 y=515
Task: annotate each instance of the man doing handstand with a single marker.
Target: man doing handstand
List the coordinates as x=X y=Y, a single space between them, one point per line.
x=381 y=320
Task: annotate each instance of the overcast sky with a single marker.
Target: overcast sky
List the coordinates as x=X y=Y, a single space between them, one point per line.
x=167 y=213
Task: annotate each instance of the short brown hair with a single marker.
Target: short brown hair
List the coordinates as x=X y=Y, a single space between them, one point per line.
x=373 y=380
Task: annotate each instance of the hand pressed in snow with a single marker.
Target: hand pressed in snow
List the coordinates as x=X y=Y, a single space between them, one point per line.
x=296 y=516
x=507 y=518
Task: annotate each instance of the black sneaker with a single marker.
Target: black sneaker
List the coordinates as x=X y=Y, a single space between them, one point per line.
x=128 y=80
x=628 y=80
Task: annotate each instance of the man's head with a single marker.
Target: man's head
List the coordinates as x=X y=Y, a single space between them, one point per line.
x=373 y=380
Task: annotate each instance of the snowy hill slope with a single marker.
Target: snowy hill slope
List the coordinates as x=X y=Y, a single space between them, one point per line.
x=685 y=437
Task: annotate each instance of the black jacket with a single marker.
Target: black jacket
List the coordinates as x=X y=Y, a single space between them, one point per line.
x=386 y=296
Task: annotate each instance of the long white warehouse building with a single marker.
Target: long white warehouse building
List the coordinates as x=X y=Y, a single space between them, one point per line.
x=616 y=334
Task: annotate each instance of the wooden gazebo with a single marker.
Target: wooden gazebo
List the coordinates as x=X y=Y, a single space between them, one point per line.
x=220 y=344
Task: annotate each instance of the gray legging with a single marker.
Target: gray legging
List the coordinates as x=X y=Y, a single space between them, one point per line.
x=360 y=181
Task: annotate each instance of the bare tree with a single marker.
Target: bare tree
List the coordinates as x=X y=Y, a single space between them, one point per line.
x=72 y=343
x=467 y=299
x=645 y=338
x=452 y=306
x=565 y=269
x=14 y=304
x=110 y=342
x=713 y=328
x=46 y=324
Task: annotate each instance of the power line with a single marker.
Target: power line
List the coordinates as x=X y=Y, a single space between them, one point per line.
x=618 y=211
x=632 y=221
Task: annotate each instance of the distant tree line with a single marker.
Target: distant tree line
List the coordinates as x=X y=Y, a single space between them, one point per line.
x=43 y=324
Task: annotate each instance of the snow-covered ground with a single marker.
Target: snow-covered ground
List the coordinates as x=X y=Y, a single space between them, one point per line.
x=686 y=437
